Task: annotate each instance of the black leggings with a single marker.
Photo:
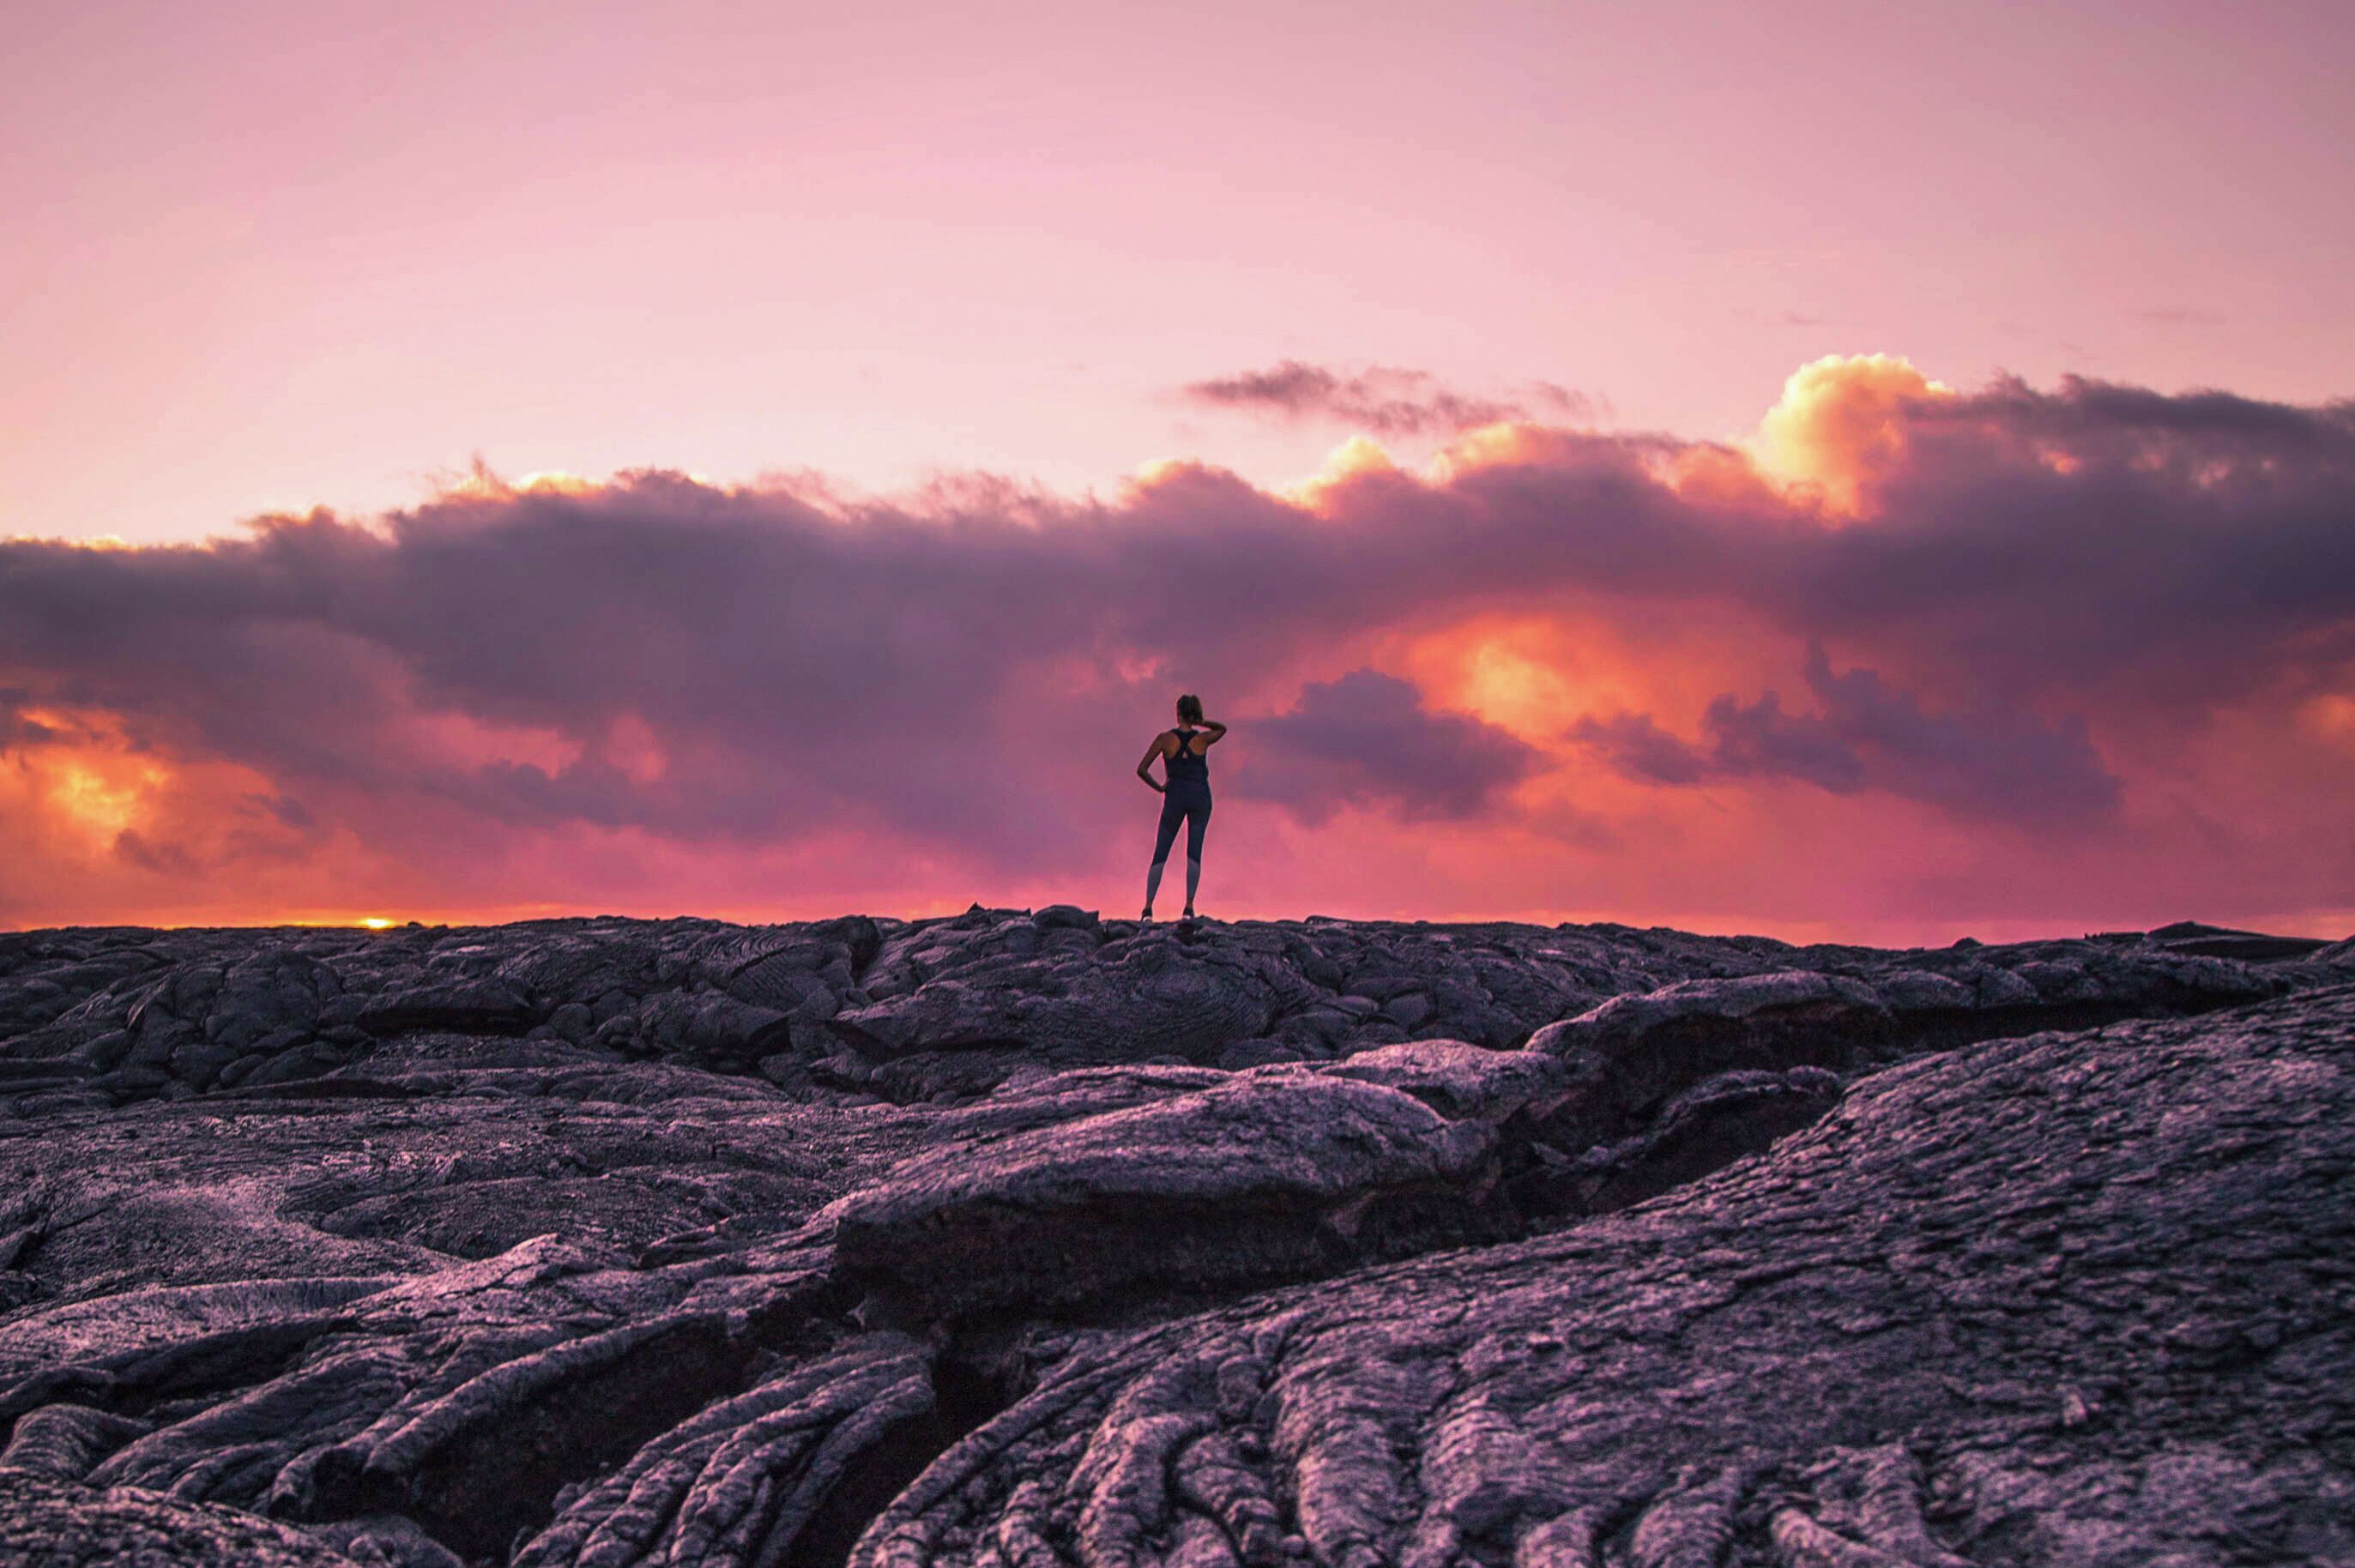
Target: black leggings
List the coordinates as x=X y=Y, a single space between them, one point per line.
x=1190 y=805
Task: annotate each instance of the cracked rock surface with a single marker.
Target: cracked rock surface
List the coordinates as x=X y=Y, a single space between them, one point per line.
x=1030 y=1238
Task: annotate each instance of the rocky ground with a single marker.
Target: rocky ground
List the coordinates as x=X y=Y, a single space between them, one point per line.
x=1032 y=1239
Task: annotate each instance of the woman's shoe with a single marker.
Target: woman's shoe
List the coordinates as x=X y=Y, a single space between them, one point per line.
x=1147 y=916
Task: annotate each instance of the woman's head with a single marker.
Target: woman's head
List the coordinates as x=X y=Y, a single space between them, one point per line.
x=1189 y=710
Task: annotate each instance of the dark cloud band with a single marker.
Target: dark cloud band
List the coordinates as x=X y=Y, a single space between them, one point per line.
x=1382 y=400
x=905 y=669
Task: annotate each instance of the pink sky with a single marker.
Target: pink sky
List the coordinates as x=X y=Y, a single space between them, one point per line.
x=1146 y=268
x=263 y=256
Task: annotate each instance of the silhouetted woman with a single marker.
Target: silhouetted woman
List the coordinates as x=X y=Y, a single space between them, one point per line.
x=1186 y=797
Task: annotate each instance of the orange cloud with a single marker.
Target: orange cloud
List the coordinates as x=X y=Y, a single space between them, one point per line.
x=464 y=741
x=1504 y=444
x=1530 y=676
x=80 y=776
x=1355 y=458
x=97 y=822
x=1841 y=425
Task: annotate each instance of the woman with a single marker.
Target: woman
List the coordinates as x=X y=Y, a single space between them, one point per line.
x=1186 y=797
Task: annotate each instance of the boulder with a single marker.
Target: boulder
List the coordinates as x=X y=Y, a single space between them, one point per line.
x=1631 y=1055
x=1276 y=1173
x=482 y=1004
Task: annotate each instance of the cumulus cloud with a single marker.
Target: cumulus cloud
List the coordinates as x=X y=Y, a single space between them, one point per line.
x=931 y=684
x=18 y=727
x=1386 y=400
x=1842 y=425
x=1366 y=739
x=1988 y=764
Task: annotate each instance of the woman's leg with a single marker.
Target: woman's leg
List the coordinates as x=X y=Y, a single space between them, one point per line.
x=1198 y=822
x=1167 y=833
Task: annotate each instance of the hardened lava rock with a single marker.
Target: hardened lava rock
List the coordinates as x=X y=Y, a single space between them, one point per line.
x=1035 y=1238
x=2083 y=1299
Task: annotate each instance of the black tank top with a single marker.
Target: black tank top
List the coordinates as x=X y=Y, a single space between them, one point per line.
x=1186 y=766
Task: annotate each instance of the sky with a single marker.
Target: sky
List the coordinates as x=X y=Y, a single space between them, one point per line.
x=1836 y=471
